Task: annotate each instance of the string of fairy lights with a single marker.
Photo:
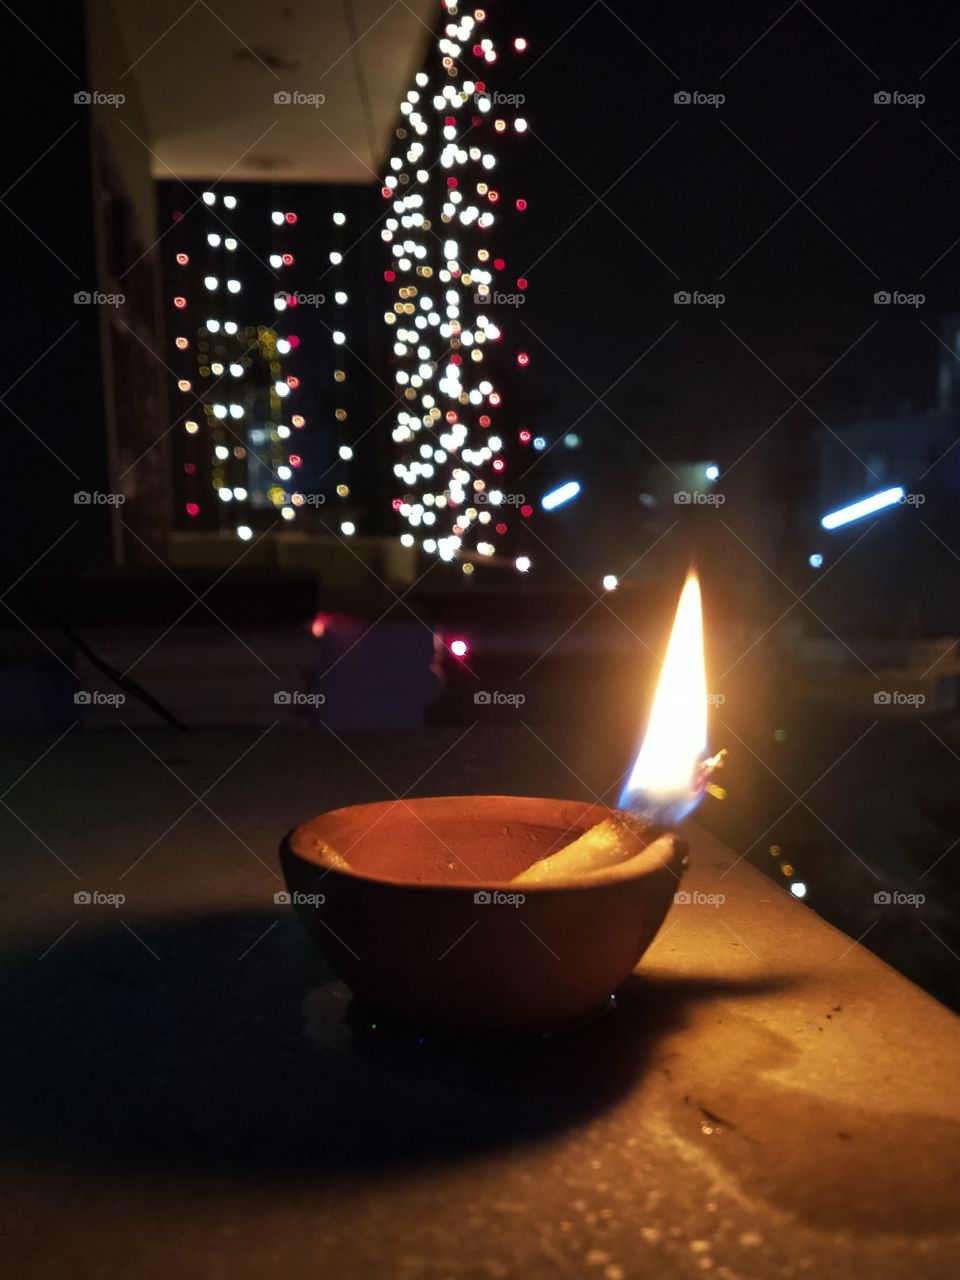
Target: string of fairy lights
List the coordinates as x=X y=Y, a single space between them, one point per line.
x=282 y=385
x=338 y=336
x=451 y=457
x=240 y=459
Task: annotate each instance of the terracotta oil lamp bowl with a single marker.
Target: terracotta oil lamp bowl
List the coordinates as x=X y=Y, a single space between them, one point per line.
x=419 y=917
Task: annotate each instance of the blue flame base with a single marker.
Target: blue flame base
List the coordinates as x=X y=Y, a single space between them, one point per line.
x=667 y=814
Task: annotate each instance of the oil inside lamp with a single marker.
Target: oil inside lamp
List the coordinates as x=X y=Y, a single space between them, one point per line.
x=670 y=773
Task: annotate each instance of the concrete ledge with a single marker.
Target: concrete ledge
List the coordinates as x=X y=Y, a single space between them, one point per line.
x=189 y=1091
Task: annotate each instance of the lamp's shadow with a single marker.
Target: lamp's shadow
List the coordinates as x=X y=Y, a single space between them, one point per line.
x=215 y=1055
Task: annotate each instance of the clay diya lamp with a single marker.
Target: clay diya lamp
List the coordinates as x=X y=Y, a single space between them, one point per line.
x=510 y=911
x=427 y=920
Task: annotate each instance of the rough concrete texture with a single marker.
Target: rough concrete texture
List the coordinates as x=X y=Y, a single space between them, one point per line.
x=187 y=1091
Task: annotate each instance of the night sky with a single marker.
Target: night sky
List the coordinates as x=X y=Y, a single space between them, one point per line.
x=799 y=118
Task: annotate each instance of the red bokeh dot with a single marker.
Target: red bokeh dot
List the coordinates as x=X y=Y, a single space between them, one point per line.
x=452 y=182
x=190 y=468
x=501 y=528
x=522 y=282
x=293 y=383
x=193 y=508
x=521 y=205
x=498 y=464
x=389 y=276
x=387 y=193
x=287 y=259
x=523 y=359
x=293 y=340
x=478 y=50
x=177 y=217
x=499 y=264
x=397 y=504
x=525 y=437
x=179 y=303
x=484 y=420
x=296 y=460
x=480 y=86
x=526 y=511
x=456 y=359
x=493 y=196
x=291 y=218
x=183 y=259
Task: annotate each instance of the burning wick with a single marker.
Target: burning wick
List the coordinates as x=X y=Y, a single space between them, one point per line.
x=671 y=771
x=610 y=843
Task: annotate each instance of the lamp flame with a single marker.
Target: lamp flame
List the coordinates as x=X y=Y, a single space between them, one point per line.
x=669 y=774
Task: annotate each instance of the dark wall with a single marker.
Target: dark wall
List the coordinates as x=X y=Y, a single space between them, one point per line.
x=51 y=406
